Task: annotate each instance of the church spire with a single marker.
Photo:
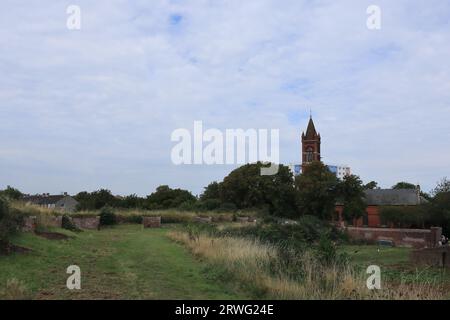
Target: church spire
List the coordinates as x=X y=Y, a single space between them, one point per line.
x=310 y=144
x=311 y=129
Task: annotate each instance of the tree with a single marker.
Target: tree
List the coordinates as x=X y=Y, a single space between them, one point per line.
x=316 y=191
x=245 y=187
x=96 y=200
x=351 y=193
x=442 y=186
x=439 y=211
x=404 y=185
x=212 y=192
x=371 y=185
x=164 y=198
x=9 y=223
x=132 y=201
x=11 y=193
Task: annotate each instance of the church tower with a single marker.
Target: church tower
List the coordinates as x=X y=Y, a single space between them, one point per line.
x=310 y=144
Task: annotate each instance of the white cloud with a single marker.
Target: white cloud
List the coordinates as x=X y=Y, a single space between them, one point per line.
x=95 y=108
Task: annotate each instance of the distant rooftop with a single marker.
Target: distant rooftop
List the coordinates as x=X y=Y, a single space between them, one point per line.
x=393 y=197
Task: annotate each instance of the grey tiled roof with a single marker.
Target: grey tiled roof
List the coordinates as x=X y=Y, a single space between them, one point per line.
x=44 y=200
x=393 y=197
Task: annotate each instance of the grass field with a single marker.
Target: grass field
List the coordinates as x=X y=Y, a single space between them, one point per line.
x=395 y=265
x=129 y=262
x=124 y=262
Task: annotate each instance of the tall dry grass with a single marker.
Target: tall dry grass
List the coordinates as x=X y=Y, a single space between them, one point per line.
x=259 y=268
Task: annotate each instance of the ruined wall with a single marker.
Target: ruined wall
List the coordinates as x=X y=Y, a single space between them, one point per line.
x=438 y=257
x=416 y=238
x=151 y=222
x=91 y=223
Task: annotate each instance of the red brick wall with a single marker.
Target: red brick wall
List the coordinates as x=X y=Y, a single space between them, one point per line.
x=373 y=217
x=417 y=238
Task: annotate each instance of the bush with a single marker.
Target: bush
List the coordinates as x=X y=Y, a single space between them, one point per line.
x=403 y=216
x=9 y=223
x=68 y=224
x=210 y=204
x=107 y=216
x=134 y=218
x=226 y=207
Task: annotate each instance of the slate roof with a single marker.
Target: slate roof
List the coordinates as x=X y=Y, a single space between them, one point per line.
x=44 y=200
x=311 y=129
x=393 y=197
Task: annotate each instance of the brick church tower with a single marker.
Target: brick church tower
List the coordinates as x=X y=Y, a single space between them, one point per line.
x=310 y=144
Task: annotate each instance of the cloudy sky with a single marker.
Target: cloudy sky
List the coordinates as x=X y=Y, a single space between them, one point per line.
x=95 y=108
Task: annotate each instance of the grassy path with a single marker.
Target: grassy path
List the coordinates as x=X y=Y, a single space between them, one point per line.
x=124 y=262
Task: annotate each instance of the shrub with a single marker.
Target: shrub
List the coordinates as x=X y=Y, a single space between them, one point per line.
x=210 y=204
x=9 y=223
x=298 y=234
x=134 y=218
x=403 y=216
x=107 y=216
x=68 y=224
x=227 y=206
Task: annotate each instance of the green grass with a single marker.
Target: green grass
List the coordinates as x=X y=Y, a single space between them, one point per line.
x=395 y=264
x=123 y=262
x=381 y=256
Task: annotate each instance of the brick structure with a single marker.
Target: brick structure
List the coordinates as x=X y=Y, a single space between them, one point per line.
x=203 y=219
x=416 y=238
x=91 y=223
x=310 y=144
x=54 y=221
x=29 y=224
x=376 y=199
x=436 y=257
x=151 y=222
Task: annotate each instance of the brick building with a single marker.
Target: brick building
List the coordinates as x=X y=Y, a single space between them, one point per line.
x=376 y=199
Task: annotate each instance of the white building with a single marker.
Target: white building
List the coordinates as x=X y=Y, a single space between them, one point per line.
x=339 y=170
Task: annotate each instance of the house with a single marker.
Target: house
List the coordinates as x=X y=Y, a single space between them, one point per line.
x=376 y=199
x=62 y=202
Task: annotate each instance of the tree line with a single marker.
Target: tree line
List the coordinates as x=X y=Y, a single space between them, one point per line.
x=315 y=192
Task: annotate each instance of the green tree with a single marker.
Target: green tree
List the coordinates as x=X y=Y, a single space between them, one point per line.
x=211 y=192
x=442 y=186
x=164 y=198
x=316 y=191
x=245 y=187
x=96 y=200
x=132 y=201
x=11 y=193
x=371 y=185
x=9 y=223
x=404 y=185
x=439 y=211
x=351 y=194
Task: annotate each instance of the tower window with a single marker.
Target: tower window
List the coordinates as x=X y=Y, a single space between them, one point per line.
x=309 y=154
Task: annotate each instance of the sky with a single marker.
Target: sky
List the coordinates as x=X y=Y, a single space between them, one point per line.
x=95 y=108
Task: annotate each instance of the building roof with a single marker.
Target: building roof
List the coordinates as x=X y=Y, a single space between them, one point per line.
x=393 y=197
x=311 y=129
x=44 y=199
